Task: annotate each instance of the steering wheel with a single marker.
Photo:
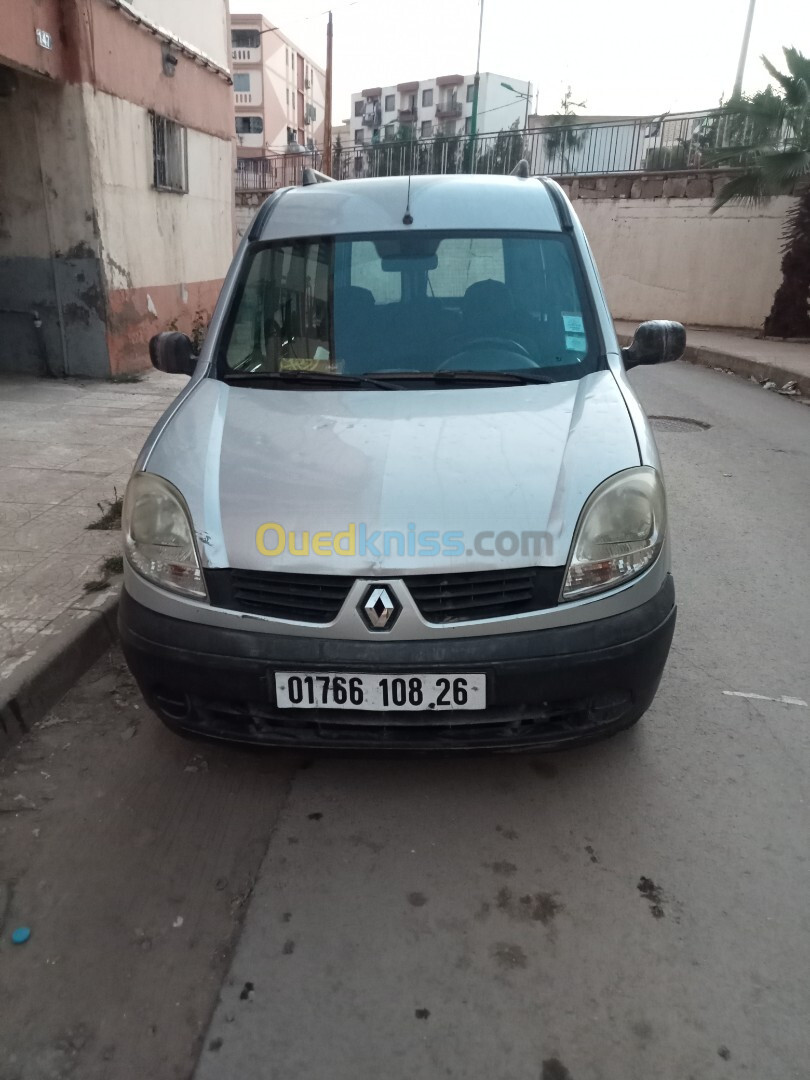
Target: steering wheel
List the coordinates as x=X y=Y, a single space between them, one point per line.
x=501 y=345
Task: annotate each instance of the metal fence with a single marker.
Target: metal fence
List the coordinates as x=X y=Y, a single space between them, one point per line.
x=684 y=141
x=281 y=170
x=671 y=142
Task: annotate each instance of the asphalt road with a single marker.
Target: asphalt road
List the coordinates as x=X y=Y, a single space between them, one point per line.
x=636 y=909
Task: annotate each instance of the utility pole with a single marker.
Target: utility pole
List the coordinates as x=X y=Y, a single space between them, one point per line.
x=327 y=120
x=737 y=91
x=476 y=83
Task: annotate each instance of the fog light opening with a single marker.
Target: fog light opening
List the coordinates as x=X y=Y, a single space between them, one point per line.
x=172 y=703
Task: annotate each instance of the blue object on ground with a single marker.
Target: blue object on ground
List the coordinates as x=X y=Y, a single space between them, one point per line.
x=21 y=935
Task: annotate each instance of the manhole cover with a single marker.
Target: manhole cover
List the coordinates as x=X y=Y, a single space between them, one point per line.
x=677 y=423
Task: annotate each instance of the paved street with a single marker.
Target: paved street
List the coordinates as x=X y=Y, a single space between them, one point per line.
x=634 y=910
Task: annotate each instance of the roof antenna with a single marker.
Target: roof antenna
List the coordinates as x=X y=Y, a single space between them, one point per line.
x=407 y=219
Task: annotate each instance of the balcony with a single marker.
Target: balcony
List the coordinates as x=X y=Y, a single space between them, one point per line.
x=407 y=116
x=448 y=110
x=372 y=117
x=247 y=97
x=246 y=56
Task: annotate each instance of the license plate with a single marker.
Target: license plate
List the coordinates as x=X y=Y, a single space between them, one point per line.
x=379 y=692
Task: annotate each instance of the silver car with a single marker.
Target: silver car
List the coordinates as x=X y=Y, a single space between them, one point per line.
x=408 y=498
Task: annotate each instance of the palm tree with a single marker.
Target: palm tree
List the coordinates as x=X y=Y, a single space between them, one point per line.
x=778 y=163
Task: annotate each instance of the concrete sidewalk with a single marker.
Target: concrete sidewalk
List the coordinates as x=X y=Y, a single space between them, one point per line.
x=780 y=362
x=65 y=447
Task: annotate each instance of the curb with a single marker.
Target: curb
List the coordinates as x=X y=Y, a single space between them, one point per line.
x=75 y=640
x=743 y=365
x=740 y=365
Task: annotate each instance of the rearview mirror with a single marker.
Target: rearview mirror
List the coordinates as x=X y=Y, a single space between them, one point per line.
x=173 y=353
x=655 y=342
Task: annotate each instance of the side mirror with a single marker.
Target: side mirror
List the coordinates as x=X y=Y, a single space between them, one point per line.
x=655 y=342
x=173 y=353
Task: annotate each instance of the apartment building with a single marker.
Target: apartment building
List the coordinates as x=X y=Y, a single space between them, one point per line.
x=440 y=106
x=116 y=202
x=278 y=91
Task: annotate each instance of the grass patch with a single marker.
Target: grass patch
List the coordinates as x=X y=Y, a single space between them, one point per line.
x=110 y=514
x=96 y=586
x=113 y=564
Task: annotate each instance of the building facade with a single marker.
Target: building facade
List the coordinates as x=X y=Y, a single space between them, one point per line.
x=116 y=207
x=440 y=106
x=278 y=91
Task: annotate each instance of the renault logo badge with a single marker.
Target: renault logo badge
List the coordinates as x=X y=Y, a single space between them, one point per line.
x=379 y=607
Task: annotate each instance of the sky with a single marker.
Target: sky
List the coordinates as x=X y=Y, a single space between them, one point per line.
x=633 y=57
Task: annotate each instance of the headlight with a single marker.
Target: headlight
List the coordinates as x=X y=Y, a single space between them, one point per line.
x=158 y=537
x=619 y=533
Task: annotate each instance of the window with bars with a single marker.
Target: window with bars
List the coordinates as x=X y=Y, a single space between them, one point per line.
x=169 y=155
x=245 y=39
x=249 y=125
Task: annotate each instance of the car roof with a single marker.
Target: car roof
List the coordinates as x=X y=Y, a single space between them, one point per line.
x=435 y=202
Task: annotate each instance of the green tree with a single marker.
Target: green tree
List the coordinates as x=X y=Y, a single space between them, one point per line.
x=393 y=156
x=561 y=144
x=503 y=153
x=778 y=163
x=337 y=159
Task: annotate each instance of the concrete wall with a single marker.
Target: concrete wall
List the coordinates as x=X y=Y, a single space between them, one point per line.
x=164 y=254
x=670 y=258
x=19 y=22
x=127 y=61
x=48 y=247
x=201 y=23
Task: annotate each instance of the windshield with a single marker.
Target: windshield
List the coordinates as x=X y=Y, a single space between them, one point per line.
x=418 y=304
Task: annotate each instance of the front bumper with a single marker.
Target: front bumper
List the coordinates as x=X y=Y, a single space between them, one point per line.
x=545 y=688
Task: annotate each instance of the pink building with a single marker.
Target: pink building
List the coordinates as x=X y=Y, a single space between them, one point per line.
x=278 y=91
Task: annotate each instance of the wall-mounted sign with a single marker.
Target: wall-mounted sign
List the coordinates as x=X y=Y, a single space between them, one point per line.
x=44 y=39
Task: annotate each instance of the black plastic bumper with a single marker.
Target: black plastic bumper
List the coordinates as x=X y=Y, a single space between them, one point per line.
x=545 y=688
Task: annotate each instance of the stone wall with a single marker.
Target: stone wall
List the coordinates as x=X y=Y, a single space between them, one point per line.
x=662 y=253
x=682 y=185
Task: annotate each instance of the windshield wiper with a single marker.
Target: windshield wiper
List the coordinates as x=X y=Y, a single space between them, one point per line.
x=494 y=378
x=324 y=378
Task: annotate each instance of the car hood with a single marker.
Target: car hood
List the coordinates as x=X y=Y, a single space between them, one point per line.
x=485 y=463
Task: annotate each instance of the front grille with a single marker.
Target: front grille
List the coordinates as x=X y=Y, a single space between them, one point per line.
x=443 y=598
x=440 y=598
x=312 y=598
x=550 y=723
